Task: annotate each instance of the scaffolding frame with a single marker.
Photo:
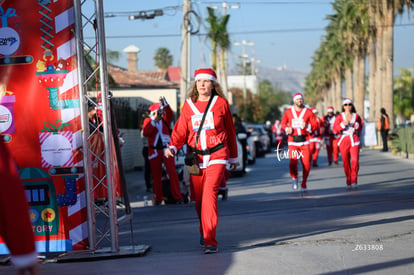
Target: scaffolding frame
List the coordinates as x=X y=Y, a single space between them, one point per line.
x=101 y=231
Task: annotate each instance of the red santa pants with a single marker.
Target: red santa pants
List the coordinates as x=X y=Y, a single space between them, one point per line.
x=314 y=148
x=350 y=159
x=331 y=144
x=15 y=226
x=335 y=150
x=204 y=189
x=303 y=153
x=156 y=168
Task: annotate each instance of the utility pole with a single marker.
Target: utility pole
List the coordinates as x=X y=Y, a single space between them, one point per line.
x=223 y=68
x=244 y=43
x=185 y=51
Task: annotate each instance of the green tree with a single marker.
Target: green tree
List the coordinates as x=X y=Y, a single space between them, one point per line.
x=213 y=35
x=404 y=93
x=264 y=106
x=163 y=59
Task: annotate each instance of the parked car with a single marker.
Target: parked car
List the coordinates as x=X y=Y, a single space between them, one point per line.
x=260 y=138
x=251 y=150
x=238 y=172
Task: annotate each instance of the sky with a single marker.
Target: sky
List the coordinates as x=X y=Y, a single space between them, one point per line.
x=284 y=33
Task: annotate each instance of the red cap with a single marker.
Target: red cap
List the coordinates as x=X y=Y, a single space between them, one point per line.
x=296 y=96
x=330 y=109
x=314 y=110
x=209 y=74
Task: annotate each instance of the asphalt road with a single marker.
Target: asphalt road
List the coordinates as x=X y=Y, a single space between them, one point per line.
x=266 y=228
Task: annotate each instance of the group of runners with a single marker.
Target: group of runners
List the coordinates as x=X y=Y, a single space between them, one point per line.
x=306 y=132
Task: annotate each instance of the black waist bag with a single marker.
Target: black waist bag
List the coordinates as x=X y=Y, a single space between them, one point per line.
x=301 y=138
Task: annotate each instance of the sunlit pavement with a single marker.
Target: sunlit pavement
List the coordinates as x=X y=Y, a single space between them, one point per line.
x=267 y=228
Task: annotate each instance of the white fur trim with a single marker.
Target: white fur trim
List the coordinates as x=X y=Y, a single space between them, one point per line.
x=296 y=97
x=347 y=100
x=205 y=76
x=21 y=261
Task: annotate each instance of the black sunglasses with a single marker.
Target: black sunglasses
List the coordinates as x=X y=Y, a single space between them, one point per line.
x=346 y=104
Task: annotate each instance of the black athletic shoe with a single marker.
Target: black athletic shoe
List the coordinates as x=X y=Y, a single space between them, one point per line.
x=210 y=249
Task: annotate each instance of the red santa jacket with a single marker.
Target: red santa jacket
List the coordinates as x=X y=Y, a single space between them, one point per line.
x=217 y=131
x=278 y=132
x=293 y=119
x=158 y=132
x=351 y=131
x=328 y=123
x=316 y=134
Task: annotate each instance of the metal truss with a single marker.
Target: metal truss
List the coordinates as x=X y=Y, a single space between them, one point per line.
x=104 y=216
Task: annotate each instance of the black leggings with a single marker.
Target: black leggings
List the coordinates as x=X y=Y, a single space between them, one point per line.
x=384 y=136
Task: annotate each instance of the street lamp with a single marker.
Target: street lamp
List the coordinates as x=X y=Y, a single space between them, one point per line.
x=244 y=43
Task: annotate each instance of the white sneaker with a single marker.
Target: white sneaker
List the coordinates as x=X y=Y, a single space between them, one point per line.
x=294 y=183
x=354 y=186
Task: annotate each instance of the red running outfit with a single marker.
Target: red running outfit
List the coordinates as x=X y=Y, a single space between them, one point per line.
x=217 y=132
x=278 y=133
x=331 y=139
x=315 y=142
x=298 y=141
x=15 y=226
x=349 y=144
x=158 y=134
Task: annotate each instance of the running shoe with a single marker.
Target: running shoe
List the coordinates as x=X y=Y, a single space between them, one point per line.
x=210 y=249
x=294 y=183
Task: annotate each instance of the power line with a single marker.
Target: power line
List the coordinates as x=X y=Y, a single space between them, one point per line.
x=270 y=3
x=232 y=33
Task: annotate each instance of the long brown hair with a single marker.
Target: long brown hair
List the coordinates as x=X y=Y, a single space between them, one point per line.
x=216 y=90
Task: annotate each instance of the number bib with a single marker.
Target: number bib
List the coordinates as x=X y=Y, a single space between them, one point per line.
x=208 y=122
x=297 y=123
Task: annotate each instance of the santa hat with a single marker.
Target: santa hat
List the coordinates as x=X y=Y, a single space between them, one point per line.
x=209 y=74
x=154 y=107
x=297 y=96
x=314 y=110
x=330 y=109
x=276 y=121
x=347 y=101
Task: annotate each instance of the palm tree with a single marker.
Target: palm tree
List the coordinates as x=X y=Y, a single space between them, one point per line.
x=163 y=59
x=213 y=35
x=219 y=39
x=224 y=44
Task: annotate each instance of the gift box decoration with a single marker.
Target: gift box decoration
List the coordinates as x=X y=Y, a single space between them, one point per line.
x=56 y=145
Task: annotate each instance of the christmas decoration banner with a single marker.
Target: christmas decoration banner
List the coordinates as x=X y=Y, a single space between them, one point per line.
x=40 y=118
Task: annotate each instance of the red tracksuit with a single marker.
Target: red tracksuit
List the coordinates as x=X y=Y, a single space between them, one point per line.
x=299 y=149
x=331 y=139
x=348 y=143
x=158 y=134
x=217 y=129
x=315 y=142
x=15 y=226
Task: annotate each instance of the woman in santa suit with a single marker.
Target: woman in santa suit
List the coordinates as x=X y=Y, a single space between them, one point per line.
x=216 y=147
x=349 y=125
x=15 y=226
